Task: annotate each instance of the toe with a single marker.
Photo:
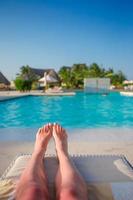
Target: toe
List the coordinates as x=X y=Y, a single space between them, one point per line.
x=38 y=132
x=50 y=127
x=56 y=128
x=46 y=128
x=60 y=128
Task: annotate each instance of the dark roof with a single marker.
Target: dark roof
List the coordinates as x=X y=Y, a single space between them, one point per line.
x=40 y=72
x=3 y=79
x=54 y=74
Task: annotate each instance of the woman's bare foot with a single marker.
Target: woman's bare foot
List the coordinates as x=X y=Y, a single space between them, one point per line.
x=68 y=175
x=60 y=138
x=33 y=181
x=42 y=138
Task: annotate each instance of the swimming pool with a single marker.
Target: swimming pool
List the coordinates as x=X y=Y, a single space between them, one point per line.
x=79 y=111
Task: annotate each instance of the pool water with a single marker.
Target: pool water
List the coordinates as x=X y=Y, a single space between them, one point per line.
x=79 y=111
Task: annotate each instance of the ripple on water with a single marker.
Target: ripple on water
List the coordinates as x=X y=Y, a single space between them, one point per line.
x=79 y=111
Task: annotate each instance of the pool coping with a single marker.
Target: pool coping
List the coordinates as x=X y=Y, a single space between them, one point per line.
x=5 y=96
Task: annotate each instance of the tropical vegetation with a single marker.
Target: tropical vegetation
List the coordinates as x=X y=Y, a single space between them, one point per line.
x=71 y=77
x=25 y=79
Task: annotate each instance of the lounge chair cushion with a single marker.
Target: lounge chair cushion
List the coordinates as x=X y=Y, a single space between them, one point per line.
x=108 y=177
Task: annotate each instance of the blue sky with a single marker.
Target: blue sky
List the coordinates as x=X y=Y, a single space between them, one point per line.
x=53 y=33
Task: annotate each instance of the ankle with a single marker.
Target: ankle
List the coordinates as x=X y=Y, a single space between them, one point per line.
x=62 y=154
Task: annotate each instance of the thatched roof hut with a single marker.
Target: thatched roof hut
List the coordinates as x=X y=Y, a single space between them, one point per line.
x=40 y=73
x=3 y=79
x=4 y=83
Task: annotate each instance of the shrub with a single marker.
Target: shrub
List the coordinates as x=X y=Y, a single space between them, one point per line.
x=23 y=85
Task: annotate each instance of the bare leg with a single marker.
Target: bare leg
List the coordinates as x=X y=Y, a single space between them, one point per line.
x=69 y=183
x=33 y=181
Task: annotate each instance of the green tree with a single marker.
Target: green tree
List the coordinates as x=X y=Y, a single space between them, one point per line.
x=73 y=77
x=27 y=74
x=78 y=73
x=65 y=76
x=25 y=79
x=118 y=78
x=109 y=73
x=96 y=71
x=121 y=76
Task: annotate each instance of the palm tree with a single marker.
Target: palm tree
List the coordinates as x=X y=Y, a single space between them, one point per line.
x=95 y=70
x=27 y=74
x=65 y=75
x=79 y=72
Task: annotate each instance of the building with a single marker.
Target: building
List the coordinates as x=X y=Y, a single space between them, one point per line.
x=40 y=73
x=128 y=85
x=97 y=85
x=4 y=83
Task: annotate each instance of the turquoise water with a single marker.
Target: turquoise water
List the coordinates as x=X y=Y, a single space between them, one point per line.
x=79 y=111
